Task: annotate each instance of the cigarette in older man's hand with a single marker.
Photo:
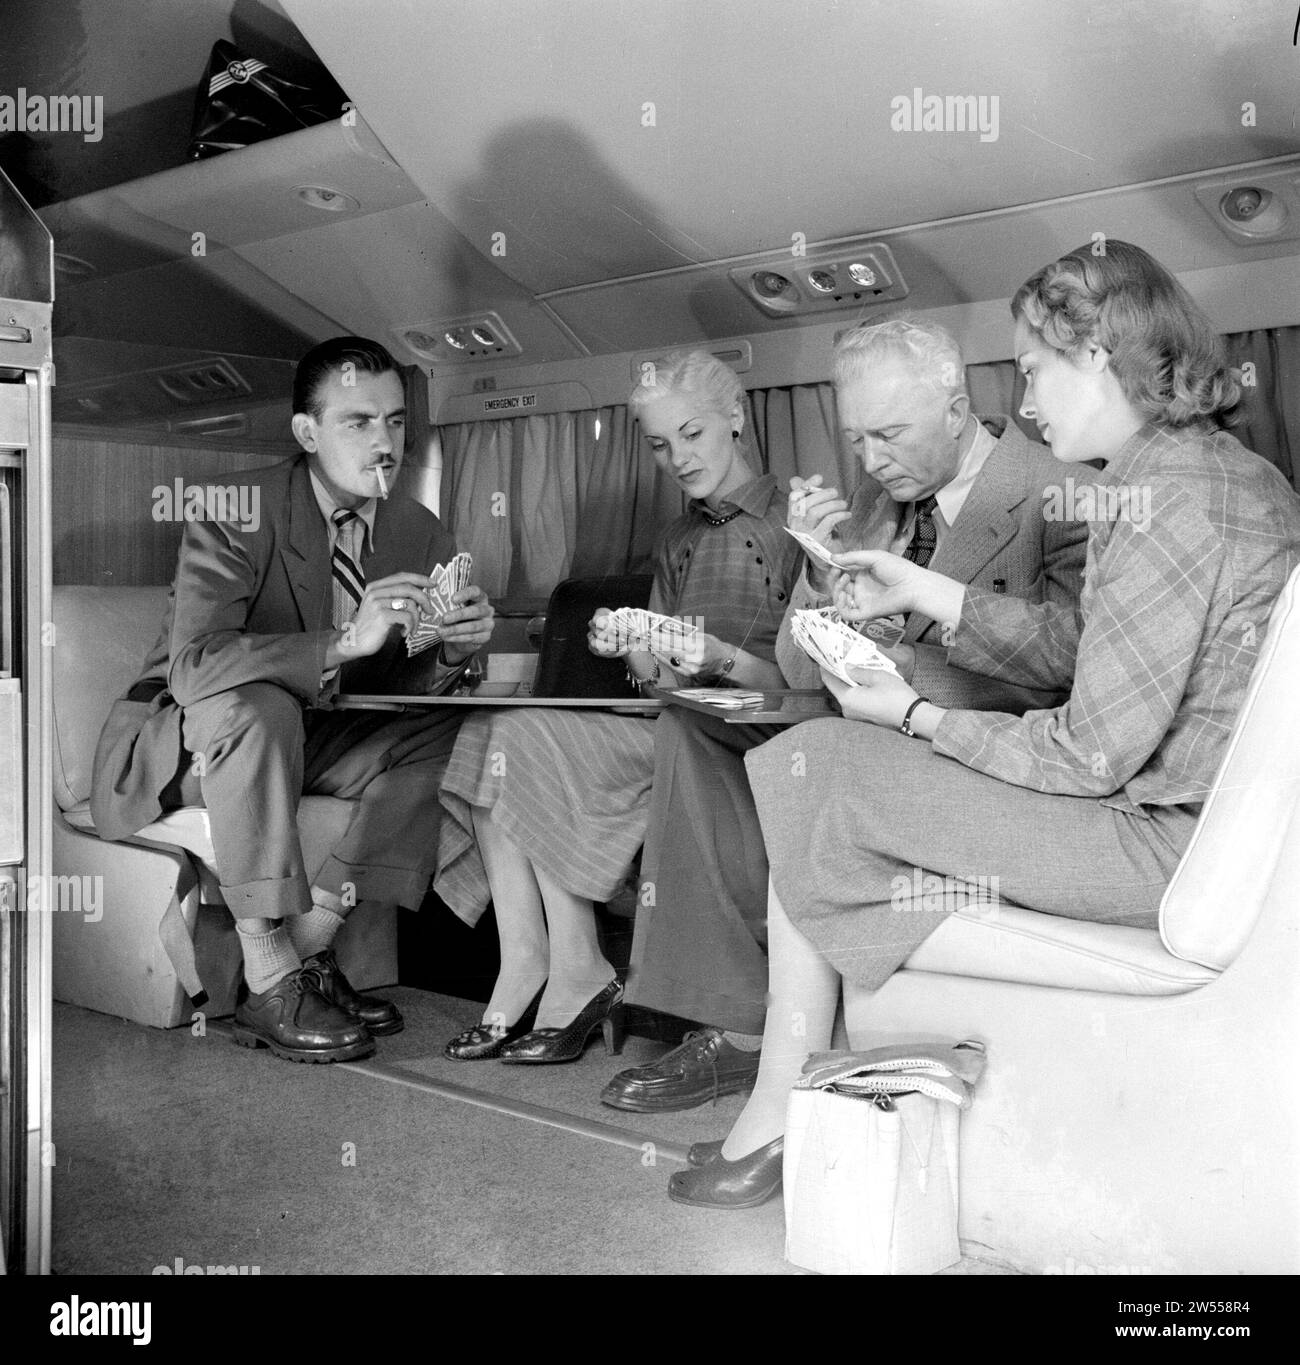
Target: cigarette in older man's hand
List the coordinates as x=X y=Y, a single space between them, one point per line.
x=383 y=483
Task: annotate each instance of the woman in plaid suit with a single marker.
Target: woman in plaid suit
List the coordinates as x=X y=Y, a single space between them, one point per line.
x=1190 y=542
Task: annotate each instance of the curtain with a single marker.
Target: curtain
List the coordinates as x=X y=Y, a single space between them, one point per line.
x=796 y=432
x=1269 y=418
x=552 y=496
x=539 y=499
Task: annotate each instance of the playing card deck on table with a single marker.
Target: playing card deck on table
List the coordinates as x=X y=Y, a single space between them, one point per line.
x=731 y=697
x=444 y=582
x=636 y=628
x=835 y=646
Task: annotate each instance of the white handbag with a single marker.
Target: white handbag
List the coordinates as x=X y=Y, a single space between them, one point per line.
x=871 y=1151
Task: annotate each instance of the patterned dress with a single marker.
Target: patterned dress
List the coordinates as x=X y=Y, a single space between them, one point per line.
x=572 y=788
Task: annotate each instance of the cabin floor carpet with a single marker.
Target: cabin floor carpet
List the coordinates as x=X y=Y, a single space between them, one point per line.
x=170 y=1147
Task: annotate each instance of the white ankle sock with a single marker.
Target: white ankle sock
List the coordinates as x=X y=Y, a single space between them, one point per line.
x=268 y=957
x=314 y=931
x=744 y=1042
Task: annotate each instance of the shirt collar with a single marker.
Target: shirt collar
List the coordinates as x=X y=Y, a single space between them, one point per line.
x=328 y=505
x=754 y=497
x=952 y=496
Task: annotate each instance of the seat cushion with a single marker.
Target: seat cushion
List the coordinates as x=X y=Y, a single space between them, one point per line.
x=1215 y=895
x=1007 y=943
x=102 y=637
x=322 y=822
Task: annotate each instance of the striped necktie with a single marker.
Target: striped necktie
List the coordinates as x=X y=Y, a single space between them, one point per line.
x=349 y=582
x=920 y=548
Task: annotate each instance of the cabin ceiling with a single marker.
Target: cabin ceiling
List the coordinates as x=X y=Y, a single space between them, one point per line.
x=541 y=160
x=774 y=117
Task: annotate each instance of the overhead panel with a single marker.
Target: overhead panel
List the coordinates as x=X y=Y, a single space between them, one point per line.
x=577 y=142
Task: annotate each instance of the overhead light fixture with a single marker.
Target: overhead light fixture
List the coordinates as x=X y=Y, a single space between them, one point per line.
x=770 y=285
x=1254 y=211
x=468 y=336
x=1263 y=208
x=849 y=276
x=331 y=201
x=1241 y=205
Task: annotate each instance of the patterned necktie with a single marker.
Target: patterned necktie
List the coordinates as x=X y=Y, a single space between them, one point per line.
x=920 y=548
x=349 y=582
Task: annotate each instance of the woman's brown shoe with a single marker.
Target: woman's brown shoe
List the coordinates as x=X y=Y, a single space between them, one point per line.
x=723 y=1184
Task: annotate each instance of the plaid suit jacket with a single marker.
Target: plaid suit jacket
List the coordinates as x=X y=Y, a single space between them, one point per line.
x=1186 y=554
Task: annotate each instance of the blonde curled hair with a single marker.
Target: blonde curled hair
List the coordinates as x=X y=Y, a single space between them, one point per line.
x=695 y=372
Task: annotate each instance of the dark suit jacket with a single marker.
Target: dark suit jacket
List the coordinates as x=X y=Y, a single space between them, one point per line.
x=1000 y=535
x=254 y=606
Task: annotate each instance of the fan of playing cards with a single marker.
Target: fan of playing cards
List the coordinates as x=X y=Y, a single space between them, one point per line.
x=636 y=628
x=444 y=582
x=835 y=646
x=814 y=548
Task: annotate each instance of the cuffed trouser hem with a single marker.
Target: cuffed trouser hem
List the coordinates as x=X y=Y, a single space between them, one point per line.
x=356 y=882
x=276 y=898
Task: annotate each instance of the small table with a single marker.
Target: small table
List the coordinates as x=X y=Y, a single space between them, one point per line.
x=787 y=706
x=377 y=701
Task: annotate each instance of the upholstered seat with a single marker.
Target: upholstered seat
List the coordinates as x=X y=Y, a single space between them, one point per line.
x=159 y=889
x=1135 y=1113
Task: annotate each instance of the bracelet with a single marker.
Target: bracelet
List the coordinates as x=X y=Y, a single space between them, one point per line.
x=638 y=682
x=727 y=667
x=906 y=727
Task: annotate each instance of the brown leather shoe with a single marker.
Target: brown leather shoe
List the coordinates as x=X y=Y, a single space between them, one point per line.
x=297 y=1023
x=380 y=1017
x=721 y=1184
x=703 y=1067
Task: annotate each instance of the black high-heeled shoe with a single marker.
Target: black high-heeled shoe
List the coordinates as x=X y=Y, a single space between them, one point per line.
x=485 y=1041
x=723 y=1184
x=567 y=1044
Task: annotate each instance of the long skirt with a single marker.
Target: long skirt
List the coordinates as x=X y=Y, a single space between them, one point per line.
x=874 y=839
x=570 y=788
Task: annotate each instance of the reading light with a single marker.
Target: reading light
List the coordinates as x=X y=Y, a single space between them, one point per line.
x=769 y=284
x=456 y=338
x=1241 y=205
x=862 y=274
x=824 y=280
x=482 y=336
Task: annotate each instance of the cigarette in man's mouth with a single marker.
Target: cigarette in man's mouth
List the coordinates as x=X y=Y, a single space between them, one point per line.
x=383 y=482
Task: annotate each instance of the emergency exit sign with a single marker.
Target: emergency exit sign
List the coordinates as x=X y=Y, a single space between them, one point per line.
x=517 y=402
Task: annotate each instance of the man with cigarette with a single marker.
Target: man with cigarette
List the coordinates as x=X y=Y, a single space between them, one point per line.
x=265 y=625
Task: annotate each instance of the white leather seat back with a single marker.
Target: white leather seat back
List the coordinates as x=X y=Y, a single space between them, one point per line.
x=101 y=639
x=1211 y=905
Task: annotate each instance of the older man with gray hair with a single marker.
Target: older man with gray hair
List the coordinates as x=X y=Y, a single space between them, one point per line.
x=967 y=496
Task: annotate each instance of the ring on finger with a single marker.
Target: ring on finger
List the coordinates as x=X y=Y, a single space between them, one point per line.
x=674 y=660
x=398 y=603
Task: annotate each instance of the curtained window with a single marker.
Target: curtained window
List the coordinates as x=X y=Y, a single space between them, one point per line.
x=539 y=499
